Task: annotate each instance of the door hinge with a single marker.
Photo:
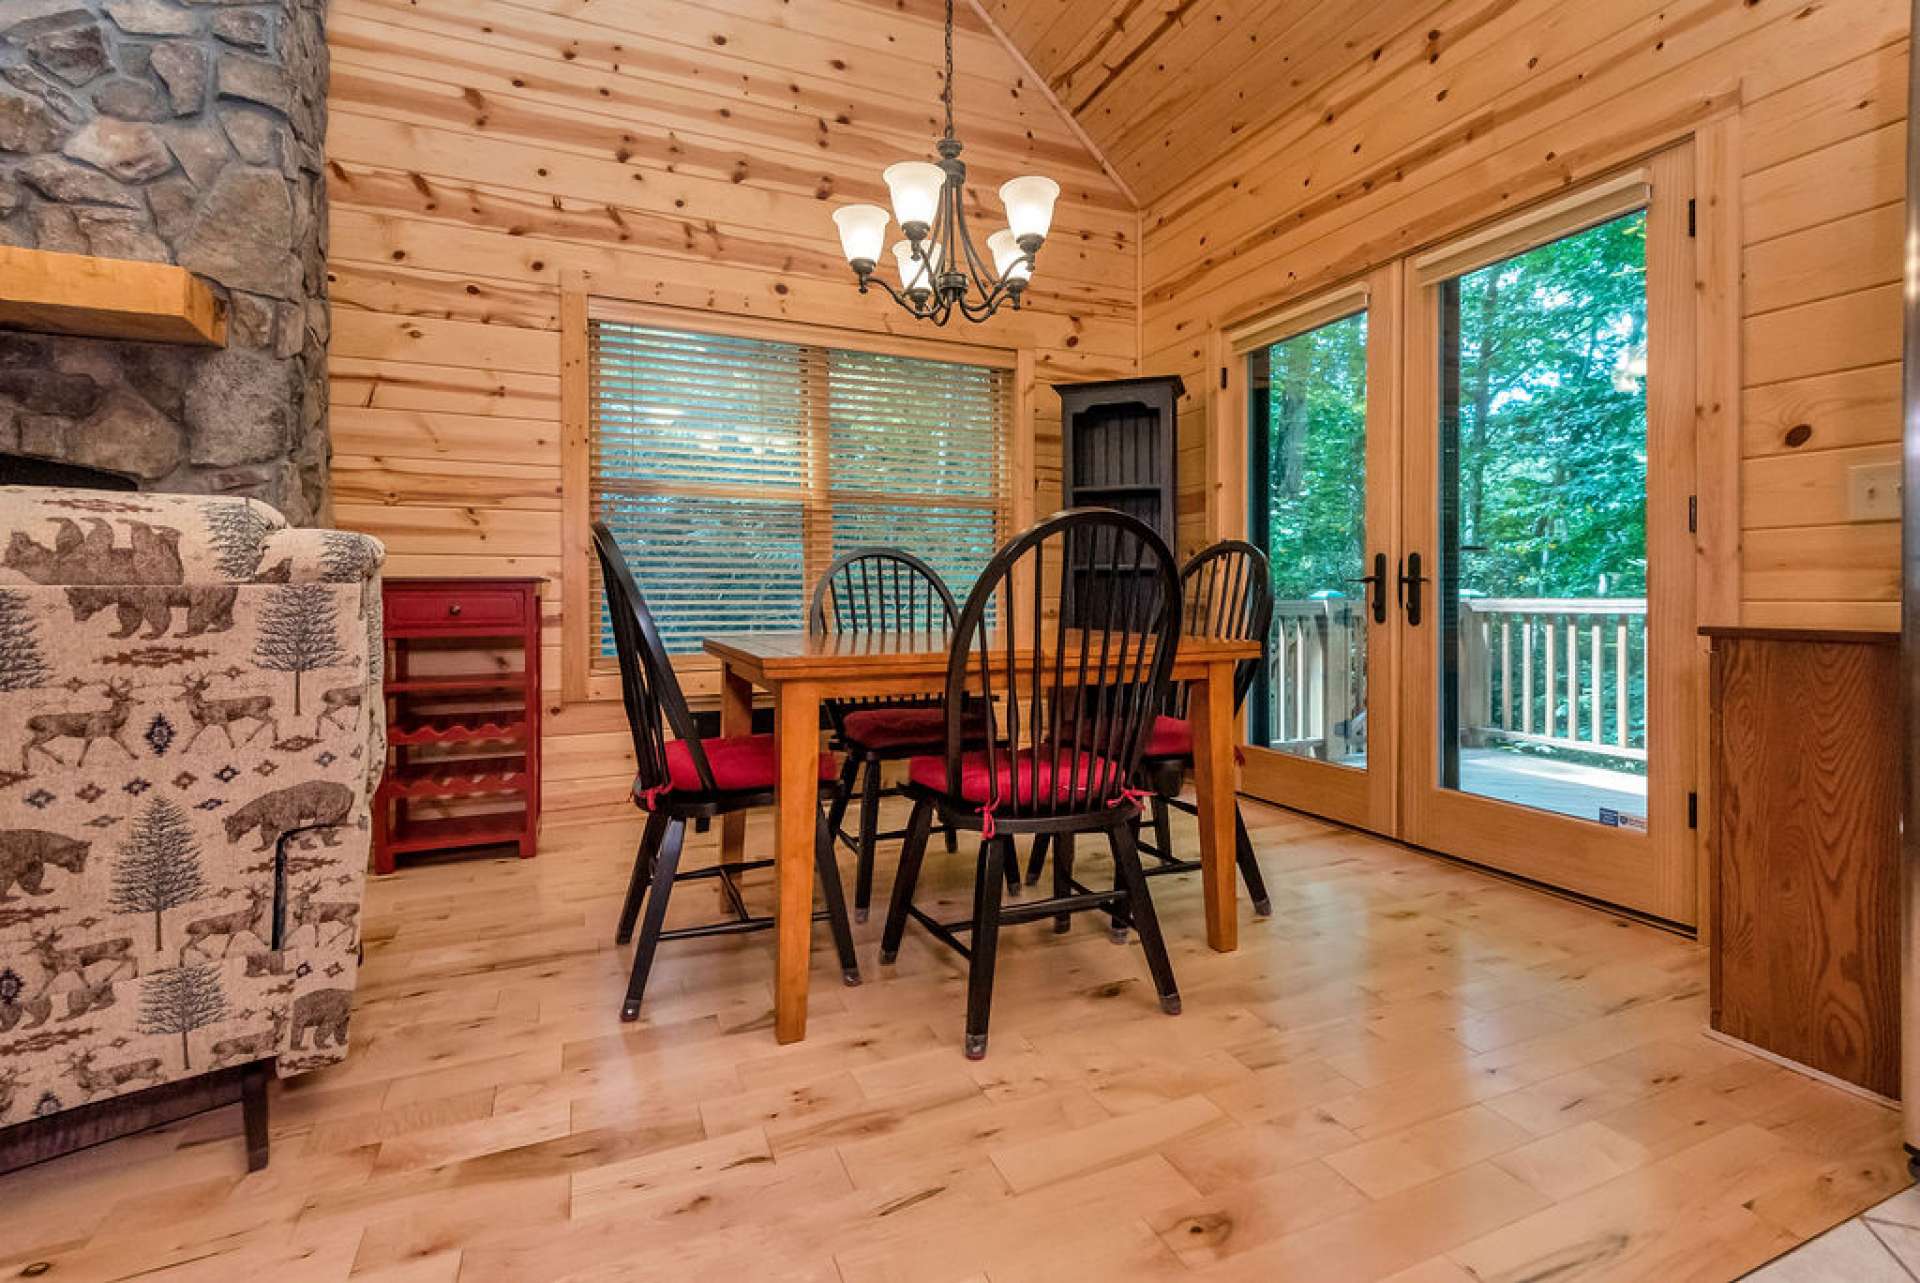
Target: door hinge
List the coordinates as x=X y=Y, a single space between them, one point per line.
x=1693 y=218
x=1693 y=514
x=1223 y=378
x=1693 y=810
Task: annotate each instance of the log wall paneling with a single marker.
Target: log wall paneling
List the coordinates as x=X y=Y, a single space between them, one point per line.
x=479 y=152
x=680 y=152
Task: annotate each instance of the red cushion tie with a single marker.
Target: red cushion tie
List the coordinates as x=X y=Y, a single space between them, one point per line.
x=986 y=823
x=1130 y=794
x=651 y=797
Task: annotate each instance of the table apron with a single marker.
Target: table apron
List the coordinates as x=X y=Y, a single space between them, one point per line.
x=928 y=682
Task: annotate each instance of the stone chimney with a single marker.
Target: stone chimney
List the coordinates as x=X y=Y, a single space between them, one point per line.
x=188 y=132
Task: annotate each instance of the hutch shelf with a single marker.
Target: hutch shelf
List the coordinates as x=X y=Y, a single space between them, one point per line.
x=1120 y=440
x=464 y=747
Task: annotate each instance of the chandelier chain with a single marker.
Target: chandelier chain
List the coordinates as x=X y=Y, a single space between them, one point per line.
x=946 y=94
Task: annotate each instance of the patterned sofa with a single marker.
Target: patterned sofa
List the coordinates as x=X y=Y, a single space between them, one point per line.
x=190 y=734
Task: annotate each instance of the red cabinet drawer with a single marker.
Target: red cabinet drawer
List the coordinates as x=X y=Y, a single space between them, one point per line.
x=463 y=608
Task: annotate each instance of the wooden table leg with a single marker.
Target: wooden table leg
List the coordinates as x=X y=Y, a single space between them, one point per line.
x=1210 y=705
x=796 y=734
x=736 y=718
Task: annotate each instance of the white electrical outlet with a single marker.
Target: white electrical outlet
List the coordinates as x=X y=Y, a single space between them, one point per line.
x=1873 y=492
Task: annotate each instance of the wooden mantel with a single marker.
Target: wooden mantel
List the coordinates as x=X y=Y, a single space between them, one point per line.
x=107 y=298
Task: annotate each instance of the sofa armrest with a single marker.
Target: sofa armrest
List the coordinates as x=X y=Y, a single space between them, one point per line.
x=59 y=538
x=305 y=556
x=328 y=557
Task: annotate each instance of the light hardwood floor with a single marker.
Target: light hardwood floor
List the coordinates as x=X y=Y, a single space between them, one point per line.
x=1413 y=1071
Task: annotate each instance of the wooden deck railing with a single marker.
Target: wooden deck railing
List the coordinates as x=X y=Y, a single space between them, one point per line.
x=1558 y=672
x=1564 y=672
x=1316 y=678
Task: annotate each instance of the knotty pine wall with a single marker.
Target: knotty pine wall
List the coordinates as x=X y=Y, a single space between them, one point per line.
x=1487 y=104
x=685 y=152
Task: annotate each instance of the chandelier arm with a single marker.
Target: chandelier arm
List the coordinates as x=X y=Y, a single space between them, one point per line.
x=990 y=301
x=978 y=313
x=947 y=230
x=975 y=267
x=876 y=279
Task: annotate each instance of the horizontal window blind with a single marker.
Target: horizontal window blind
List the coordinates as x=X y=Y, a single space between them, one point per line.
x=733 y=470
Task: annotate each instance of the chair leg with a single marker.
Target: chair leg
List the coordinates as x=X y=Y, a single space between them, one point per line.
x=1126 y=859
x=985 y=943
x=1037 y=859
x=869 y=840
x=842 y=794
x=828 y=870
x=664 y=869
x=1162 y=827
x=1120 y=919
x=1062 y=879
x=953 y=838
x=1250 y=867
x=642 y=875
x=904 y=878
x=1011 y=864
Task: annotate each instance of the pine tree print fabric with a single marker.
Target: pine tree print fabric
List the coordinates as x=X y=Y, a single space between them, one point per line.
x=190 y=733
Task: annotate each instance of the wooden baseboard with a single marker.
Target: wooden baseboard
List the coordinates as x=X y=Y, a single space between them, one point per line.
x=1854 y=1089
x=38 y=1139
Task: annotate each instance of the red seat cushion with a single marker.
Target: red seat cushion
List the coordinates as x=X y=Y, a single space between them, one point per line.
x=896 y=727
x=1170 y=737
x=1173 y=737
x=1033 y=778
x=740 y=763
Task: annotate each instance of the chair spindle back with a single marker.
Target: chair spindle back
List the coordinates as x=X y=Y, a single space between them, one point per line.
x=1226 y=594
x=648 y=685
x=1065 y=736
x=880 y=590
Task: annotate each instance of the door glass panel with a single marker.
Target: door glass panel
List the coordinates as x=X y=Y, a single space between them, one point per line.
x=1308 y=415
x=1542 y=572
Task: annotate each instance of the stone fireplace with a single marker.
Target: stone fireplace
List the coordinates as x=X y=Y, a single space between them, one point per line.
x=186 y=132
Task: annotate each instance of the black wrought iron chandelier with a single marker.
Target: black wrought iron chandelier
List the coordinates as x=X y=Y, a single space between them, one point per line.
x=941 y=272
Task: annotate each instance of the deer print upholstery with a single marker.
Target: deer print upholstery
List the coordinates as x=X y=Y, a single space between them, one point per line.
x=190 y=733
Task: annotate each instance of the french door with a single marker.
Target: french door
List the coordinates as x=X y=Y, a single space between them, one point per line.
x=1322 y=400
x=1472 y=474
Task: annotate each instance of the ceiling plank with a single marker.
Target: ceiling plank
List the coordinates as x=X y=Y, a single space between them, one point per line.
x=1041 y=86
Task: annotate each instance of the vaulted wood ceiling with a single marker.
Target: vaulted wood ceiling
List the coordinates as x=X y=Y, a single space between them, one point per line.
x=1162 y=87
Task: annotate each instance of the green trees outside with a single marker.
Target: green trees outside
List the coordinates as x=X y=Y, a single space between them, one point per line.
x=1551 y=440
x=1551 y=419
x=1316 y=473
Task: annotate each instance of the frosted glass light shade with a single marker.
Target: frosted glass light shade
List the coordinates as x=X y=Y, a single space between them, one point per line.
x=915 y=185
x=863 y=231
x=1029 y=203
x=914 y=273
x=1007 y=254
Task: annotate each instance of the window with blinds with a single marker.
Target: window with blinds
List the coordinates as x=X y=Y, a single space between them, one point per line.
x=733 y=470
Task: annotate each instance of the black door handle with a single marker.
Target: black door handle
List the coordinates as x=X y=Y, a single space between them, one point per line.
x=1378 y=580
x=1409 y=588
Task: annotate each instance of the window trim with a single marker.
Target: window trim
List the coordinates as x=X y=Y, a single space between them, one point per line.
x=580 y=305
x=1293 y=319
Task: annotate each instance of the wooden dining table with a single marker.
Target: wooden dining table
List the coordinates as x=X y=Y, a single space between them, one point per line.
x=799 y=670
